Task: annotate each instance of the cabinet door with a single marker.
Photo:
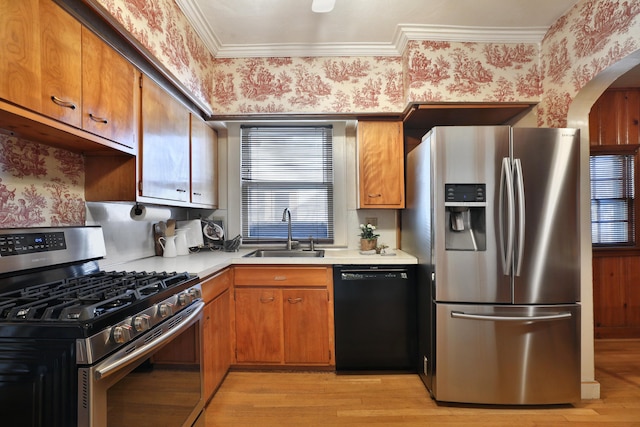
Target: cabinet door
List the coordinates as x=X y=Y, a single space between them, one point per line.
x=216 y=342
x=165 y=145
x=108 y=82
x=258 y=325
x=306 y=326
x=204 y=164
x=380 y=165
x=20 y=53
x=61 y=67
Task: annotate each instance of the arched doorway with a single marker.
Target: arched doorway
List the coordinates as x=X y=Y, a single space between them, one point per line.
x=578 y=117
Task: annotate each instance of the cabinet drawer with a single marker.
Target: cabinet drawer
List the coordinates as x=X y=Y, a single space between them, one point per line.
x=282 y=276
x=215 y=285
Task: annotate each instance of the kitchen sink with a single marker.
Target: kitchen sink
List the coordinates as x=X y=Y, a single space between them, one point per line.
x=283 y=253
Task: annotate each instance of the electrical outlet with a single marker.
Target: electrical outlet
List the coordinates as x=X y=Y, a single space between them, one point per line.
x=372 y=220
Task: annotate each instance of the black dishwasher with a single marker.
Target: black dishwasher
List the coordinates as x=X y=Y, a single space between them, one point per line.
x=375 y=318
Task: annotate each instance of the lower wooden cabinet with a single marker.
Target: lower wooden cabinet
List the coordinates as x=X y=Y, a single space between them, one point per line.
x=216 y=345
x=258 y=325
x=216 y=330
x=305 y=326
x=283 y=316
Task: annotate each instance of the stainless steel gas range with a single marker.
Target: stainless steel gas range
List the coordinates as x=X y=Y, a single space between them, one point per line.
x=84 y=347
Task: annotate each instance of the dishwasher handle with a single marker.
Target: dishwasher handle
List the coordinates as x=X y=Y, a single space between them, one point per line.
x=353 y=275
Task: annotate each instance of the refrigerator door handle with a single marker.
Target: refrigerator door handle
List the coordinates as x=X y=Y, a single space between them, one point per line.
x=506 y=179
x=519 y=181
x=471 y=316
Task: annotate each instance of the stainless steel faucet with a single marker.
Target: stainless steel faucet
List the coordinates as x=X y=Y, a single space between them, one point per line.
x=286 y=216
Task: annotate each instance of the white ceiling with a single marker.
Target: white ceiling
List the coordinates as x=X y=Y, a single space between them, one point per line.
x=255 y=28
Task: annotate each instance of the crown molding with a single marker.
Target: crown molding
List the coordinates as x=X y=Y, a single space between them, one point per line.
x=305 y=50
x=196 y=19
x=403 y=34
x=454 y=33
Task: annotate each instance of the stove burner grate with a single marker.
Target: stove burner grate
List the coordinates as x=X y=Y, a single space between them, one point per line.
x=85 y=297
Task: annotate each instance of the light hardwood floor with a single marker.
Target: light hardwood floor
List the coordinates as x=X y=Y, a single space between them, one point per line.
x=259 y=399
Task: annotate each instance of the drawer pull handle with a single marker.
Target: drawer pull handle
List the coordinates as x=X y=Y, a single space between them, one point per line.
x=294 y=300
x=267 y=299
x=97 y=119
x=374 y=195
x=280 y=278
x=62 y=103
x=180 y=190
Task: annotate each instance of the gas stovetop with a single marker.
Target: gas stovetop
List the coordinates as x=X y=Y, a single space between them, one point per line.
x=86 y=297
x=51 y=287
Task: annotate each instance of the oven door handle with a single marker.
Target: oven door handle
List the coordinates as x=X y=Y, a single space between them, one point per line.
x=115 y=362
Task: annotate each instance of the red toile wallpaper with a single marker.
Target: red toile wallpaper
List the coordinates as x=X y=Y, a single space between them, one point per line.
x=307 y=85
x=471 y=72
x=589 y=38
x=39 y=185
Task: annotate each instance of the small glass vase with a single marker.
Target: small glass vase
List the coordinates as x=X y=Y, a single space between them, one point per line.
x=368 y=244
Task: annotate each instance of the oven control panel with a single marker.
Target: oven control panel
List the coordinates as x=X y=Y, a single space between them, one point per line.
x=27 y=248
x=18 y=244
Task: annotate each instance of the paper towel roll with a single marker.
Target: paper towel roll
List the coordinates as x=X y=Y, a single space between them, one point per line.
x=144 y=213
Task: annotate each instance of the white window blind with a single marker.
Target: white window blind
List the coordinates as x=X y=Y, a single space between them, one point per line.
x=612 y=199
x=287 y=167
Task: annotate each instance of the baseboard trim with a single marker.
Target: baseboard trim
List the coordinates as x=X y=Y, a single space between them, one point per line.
x=590 y=390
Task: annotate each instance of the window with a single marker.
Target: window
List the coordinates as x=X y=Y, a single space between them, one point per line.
x=613 y=201
x=287 y=167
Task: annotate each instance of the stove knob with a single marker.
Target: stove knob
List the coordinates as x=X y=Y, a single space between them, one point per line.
x=195 y=293
x=164 y=310
x=121 y=334
x=183 y=299
x=141 y=323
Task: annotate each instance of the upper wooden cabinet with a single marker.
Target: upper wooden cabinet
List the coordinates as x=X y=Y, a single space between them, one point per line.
x=164 y=146
x=108 y=92
x=41 y=67
x=178 y=161
x=54 y=67
x=20 y=64
x=204 y=164
x=61 y=68
x=380 y=164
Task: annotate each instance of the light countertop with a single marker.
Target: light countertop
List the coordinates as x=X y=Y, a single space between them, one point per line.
x=206 y=262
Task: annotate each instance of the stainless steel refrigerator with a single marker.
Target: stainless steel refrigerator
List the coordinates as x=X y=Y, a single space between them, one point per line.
x=493 y=217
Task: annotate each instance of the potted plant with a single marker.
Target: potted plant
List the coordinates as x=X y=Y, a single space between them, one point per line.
x=368 y=237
